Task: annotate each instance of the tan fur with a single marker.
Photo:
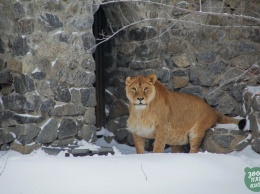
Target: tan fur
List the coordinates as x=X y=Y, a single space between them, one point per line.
x=171 y=118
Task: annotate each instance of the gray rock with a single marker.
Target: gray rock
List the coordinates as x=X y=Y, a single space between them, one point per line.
x=89 y=64
x=44 y=88
x=27 y=133
x=63 y=95
x=82 y=22
x=49 y=132
x=121 y=135
x=88 y=96
x=165 y=75
x=123 y=60
x=213 y=98
x=14 y=101
x=5 y=77
x=68 y=128
x=231 y=76
x=88 y=41
x=18 y=10
x=38 y=75
x=217 y=67
x=52 y=22
x=75 y=96
x=5 y=115
x=256 y=145
x=6 y=137
x=200 y=76
x=81 y=78
x=206 y=56
x=88 y=133
x=46 y=105
x=226 y=104
x=20 y=46
x=90 y=116
x=23 y=83
x=194 y=90
x=223 y=140
x=235 y=91
x=67 y=110
x=118 y=108
x=31 y=102
x=112 y=126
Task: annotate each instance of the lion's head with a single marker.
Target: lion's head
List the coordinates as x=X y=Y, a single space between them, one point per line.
x=140 y=90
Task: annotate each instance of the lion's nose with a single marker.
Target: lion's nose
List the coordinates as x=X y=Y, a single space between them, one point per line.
x=140 y=99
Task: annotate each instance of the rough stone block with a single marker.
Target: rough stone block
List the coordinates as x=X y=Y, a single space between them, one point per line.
x=24 y=149
x=67 y=110
x=46 y=105
x=121 y=135
x=27 y=133
x=68 y=128
x=63 y=95
x=200 y=76
x=180 y=82
x=22 y=102
x=20 y=46
x=221 y=141
x=49 y=132
x=165 y=75
x=5 y=77
x=217 y=67
x=181 y=60
x=118 y=108
x=88 y=40
x=52 y=22
x=18 y=10
x=89 y=64
x=90 y=116
x=82 y=22
x=88 y=96
x=23 y=83
x=206 y=56
x=88 y=133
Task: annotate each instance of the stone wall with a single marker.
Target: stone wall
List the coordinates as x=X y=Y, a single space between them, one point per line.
x=46 y=73
x=208 y=55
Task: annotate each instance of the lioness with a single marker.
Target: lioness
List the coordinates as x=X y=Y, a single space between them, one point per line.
x=171 y=118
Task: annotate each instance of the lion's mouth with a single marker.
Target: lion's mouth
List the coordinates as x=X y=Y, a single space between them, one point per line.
x=140 y=104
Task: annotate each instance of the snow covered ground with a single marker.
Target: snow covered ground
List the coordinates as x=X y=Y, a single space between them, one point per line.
x=125 y=172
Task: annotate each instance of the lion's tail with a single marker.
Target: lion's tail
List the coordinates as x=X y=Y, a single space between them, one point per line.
x=222 y=119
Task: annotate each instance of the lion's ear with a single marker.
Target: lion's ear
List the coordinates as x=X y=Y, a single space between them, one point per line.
x=152 y=78
x=128 y=80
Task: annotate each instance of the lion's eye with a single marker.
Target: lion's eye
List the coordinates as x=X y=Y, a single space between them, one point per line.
x=134 y=89
x=146 y=89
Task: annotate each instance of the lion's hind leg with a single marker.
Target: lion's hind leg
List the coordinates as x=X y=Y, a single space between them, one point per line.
x=196 y=136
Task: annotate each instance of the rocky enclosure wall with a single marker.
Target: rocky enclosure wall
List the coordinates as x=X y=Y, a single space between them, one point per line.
x=47 y=72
